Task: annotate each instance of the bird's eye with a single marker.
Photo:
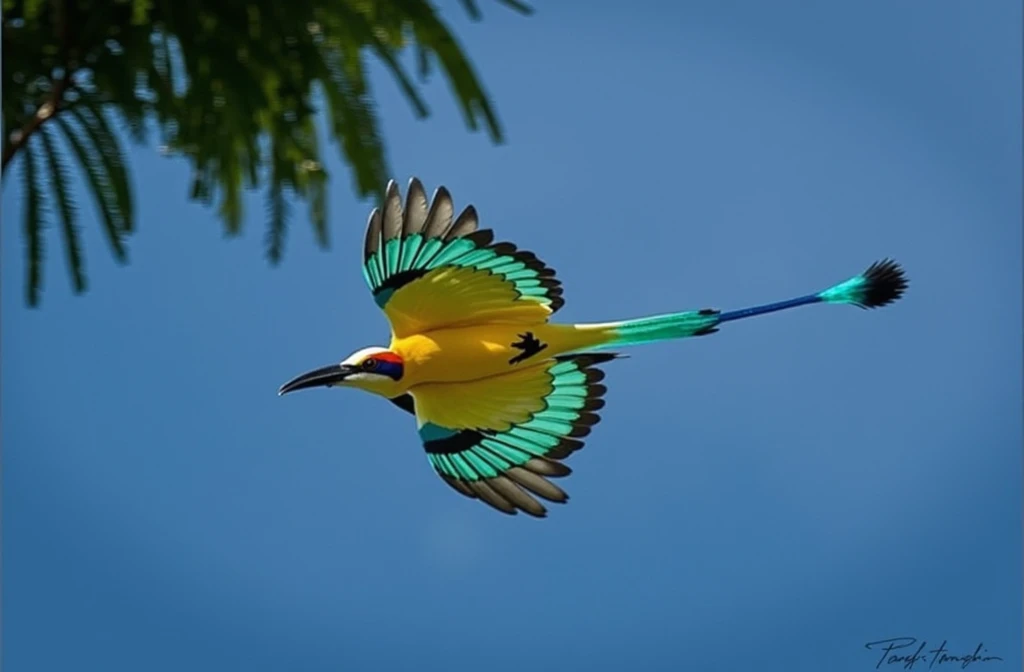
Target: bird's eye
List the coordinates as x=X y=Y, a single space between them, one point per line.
x=370 y=364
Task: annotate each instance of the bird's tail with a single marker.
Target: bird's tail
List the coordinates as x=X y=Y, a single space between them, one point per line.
x=882 y=283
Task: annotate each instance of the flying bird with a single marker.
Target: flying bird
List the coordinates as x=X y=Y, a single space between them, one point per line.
x=501 y=394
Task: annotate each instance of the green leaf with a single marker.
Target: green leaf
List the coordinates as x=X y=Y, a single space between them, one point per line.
x=99 y=184
x=33 y=8
x=90 y=117
x=471 y=9
x=277 y=214
x=33 y=226
x=140 y=11
x=65 y=206
x=435 y=36
x=228 y=87
x=351 y=119
x=520 y=7
x=474 y=11
x=386 y=53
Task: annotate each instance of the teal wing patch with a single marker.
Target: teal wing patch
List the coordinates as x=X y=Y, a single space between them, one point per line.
x=507 y=469
x=404 y=244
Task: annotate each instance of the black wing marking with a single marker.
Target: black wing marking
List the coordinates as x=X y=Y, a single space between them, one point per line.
x=530 y=346
x=405 y=402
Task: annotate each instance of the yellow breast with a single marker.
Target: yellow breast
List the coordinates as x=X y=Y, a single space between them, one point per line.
x=469 y=353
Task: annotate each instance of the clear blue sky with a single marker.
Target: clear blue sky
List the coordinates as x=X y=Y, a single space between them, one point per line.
x=771 y=497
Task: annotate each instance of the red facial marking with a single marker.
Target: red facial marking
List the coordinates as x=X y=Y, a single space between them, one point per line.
x=388 y=357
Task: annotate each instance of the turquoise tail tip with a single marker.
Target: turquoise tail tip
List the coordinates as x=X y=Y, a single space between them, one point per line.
x=880 y=285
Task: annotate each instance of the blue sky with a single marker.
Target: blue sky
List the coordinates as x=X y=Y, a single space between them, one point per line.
x=771 y=497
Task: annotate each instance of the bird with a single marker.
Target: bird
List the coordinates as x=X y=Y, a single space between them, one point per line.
x=502 y=395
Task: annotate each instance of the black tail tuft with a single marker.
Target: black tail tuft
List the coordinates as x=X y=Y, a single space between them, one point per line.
x=884 y=283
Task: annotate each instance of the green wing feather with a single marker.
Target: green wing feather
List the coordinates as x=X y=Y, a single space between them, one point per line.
x=507 y=469
x=404 y=244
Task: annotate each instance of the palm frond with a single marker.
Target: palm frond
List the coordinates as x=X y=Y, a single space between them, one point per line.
x=90 y=116
x=432 y=34
x=32 y=8
x=33 y=225
x=227 y=86
x=353 y=122
x=475 y=14
x=367 y=33
x=317 y=194
x=99 y=184
x=471 y=9
x=66 y=209
x=311 y=179
x=518 y=6
x=277 y=222
x=230 y=173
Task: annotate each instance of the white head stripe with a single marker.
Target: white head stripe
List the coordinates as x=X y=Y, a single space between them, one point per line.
x=360 y=355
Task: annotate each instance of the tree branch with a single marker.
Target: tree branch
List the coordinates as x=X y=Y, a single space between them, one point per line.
x=51 y=107
x=45 y=111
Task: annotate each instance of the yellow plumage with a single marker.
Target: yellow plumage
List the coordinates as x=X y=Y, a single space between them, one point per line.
x=453 y=297
x=473 y=351
x=497 y=402
x=502 y=395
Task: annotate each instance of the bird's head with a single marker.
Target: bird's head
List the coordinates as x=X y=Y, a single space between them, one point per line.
x=373 y=369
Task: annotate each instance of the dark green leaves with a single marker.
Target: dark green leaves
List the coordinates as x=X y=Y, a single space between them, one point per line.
x=66 y=210
x=235 y=87
x=92 y=163
x=33 y=219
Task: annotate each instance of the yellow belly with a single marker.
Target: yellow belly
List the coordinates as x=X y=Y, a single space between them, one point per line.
x=468 y=353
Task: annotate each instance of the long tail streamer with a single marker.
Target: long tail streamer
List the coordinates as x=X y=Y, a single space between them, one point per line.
x=881 y=284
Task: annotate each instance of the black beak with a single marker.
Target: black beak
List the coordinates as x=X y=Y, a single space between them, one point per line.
x=328 y=375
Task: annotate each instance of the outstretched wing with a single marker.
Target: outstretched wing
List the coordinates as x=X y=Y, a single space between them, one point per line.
x=500 y=439
x=427 y=270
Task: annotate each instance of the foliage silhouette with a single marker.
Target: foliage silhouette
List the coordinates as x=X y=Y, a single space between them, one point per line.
x=228 y=84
